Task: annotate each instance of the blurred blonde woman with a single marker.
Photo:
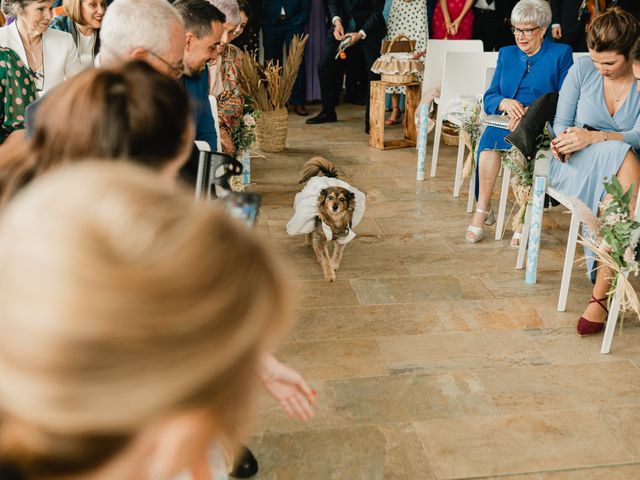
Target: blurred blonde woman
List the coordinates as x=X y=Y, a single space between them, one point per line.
x=133 y=321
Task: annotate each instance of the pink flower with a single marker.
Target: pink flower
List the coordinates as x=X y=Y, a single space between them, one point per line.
x=629 y=255
x=249 y=120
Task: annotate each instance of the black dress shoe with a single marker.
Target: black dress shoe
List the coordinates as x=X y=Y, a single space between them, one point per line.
x=246 y=465
x=322 y=118
x=300 y=110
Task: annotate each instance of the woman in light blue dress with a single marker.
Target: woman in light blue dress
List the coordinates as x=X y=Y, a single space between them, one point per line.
x=598 y=126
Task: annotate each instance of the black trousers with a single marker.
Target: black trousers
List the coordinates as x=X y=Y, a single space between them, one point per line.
x=330 y=68
x=490 y=27
x=274 y=37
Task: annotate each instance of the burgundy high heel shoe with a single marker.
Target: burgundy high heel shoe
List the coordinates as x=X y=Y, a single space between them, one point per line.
x=586 y=327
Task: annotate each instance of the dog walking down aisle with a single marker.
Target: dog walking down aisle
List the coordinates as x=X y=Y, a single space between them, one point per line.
x=326 y=210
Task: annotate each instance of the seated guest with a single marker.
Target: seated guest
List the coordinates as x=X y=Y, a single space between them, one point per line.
x=140 y=325
x=83 y=20
x=128 y=111
x=224 y=74
x=525 y=71
x=14 y=100
x=600 y=93
x=250 y=37
x=362 y=20
x=203 y=25
x=50 y=54
x=146 y=30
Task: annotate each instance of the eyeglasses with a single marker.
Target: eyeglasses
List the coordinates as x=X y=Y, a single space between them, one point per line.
x=527 y=32
x=176 y=70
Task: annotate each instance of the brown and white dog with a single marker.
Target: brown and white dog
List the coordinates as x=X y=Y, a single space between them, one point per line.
x=331 y=221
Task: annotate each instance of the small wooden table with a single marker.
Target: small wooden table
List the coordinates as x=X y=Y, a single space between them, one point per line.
x=377 y=115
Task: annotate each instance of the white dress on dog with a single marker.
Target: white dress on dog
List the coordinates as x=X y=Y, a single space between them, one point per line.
x=306 y=211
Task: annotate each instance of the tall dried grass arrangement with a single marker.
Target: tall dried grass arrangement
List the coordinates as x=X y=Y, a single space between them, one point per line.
x=270 y=85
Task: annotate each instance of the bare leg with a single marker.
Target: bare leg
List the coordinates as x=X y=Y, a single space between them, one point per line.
x=395 y=112
x=628 y=174
x=338 y=248
x=487 y=175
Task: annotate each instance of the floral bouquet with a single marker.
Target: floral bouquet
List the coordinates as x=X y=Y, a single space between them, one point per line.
x=613 y=239
x=244 y=135
x=470 y=131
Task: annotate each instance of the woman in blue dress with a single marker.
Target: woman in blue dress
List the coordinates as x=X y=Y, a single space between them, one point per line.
x=598 y=127
x=525 y=71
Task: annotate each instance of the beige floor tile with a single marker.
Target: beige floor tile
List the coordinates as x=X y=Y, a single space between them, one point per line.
x=363 y=453
x=317 y=293
x=459 y=351
x=624 y=423
x=418 y=289
x=474 y=447
x=334 y=359
x=512 y=284
x=619 y=472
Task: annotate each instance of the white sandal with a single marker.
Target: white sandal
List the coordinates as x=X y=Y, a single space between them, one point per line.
x=475 y=234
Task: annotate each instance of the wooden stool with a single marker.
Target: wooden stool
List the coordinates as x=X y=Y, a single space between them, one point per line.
x=377 y=115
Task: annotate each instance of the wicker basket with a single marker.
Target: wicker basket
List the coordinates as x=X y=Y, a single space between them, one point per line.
x=271 y=130
x=398 y=77
x=450 y=133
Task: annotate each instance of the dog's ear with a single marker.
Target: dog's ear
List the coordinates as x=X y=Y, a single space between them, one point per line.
x=322 y=196
x=351 y=201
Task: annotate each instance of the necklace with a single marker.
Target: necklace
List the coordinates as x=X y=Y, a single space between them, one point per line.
x=28 y=49
x=618 y=94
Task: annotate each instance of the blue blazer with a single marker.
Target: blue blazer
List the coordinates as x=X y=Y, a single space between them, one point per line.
x=547 y=70
x=298 y=11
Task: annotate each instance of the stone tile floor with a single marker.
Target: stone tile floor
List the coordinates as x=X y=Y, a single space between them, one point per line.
x=431 y=357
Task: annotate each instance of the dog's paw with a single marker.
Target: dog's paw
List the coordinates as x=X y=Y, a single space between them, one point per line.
x=330 y=277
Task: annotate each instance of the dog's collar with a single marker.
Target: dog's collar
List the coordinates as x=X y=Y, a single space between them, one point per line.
x=342 y=239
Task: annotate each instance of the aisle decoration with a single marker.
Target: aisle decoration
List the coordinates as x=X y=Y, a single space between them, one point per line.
x=613 y=238
x=243 y=137
x=470 y=131
x=269 y=88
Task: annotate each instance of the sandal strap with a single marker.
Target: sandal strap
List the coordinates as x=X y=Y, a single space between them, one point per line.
x=599 y=302
x=481 y=210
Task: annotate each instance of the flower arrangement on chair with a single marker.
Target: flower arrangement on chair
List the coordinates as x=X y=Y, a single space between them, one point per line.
x=243 y=137
x=269 y=88
x=613 y=238
x=470 y=130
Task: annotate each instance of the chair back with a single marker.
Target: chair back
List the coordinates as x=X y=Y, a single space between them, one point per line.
x=577 y=55
x=204 y=170
x=216 y=121
x=488 y=77
x=435 y=57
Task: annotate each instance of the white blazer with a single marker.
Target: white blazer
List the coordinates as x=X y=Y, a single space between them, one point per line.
x=60 y=54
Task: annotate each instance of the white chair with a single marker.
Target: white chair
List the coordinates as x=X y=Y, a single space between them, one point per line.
x=204 y=170
x=463 y=74
x=216 y=122
x=433 y=69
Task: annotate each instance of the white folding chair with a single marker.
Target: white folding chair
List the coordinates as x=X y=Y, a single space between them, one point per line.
x=463 y=74
x=433 y=69
x=204 y=170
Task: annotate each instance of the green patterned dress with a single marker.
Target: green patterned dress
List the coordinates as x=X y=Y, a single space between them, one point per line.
x=17 y=91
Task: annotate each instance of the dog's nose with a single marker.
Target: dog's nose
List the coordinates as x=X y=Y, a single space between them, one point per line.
x=335 y=208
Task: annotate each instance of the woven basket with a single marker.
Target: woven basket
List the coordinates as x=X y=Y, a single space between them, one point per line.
x=450 y=133
x=398 y=77
x=271 y=130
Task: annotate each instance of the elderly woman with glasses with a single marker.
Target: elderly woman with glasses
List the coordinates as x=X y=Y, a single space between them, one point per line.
x=525 y=71
x=50 y=54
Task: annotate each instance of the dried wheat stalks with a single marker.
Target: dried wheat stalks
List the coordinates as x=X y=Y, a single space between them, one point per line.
x=252 y=82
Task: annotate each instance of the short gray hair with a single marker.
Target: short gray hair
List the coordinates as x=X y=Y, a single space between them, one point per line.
x=537 y=12
x=230 y=8
x=131 y=24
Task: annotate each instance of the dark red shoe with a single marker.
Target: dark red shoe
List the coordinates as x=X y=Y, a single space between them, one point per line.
x=587 y=327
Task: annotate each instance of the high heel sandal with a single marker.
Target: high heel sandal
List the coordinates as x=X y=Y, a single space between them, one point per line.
x=390 y=121
x=478 y=232
x=587 y=327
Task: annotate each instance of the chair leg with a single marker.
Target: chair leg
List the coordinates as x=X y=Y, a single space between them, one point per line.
x=537 y=210
x=612 y=319
x=436 y=143
x=522 y=250
x=502 y=207
x=472 y=191
x=422 y=141
x=569 y=256
x=457 y=183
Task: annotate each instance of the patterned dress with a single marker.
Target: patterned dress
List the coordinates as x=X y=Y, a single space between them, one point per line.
x=226 y=89
x=17 y=91
x=409 y=18
x=455 y=8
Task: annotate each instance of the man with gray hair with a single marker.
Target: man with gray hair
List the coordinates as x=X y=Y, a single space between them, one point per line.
x=149 y=30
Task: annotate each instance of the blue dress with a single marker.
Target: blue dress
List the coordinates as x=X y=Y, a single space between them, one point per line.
x=523 y=78
x=582 y=103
